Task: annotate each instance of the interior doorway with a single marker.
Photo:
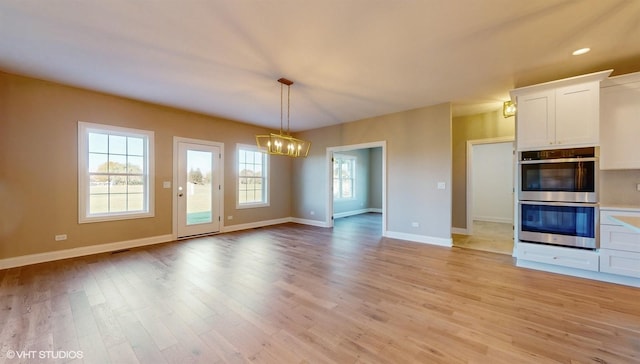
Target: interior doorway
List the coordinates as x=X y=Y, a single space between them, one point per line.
x=490 y=196
x=344 y=192
x=197 y=187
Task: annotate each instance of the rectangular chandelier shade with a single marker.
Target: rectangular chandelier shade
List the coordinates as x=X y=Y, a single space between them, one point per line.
x=280 y=144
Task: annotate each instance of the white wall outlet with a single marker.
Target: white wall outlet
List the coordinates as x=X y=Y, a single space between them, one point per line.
x=415 y=224
x=442 y=185
x=166 y=184
x=312 y=212
x=61 y=237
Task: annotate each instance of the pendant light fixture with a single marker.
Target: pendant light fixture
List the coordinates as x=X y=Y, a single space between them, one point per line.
x=281 y=143
x=508 y=108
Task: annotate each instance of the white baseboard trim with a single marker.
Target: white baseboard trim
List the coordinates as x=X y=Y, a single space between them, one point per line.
x=254 y=225
x=419 y=238
x=81 y=251
x=310 y=222
x=128 y=244
x=502 y=220
x=350 y=213
x=356 y=212
x=604 y=277
x=461 y=231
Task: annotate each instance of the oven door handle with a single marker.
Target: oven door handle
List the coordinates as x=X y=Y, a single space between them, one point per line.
x=554 y=203
x=563 y=160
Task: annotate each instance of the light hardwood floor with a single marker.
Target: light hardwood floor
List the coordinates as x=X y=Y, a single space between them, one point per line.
x=488 y=236
x=301 y=294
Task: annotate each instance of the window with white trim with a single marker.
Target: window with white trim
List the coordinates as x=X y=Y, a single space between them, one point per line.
x=344 y=177
x=115 y=173
x=252 y=182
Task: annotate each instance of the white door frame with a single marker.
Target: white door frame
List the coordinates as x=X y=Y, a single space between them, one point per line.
x=174 y=188
x=470 y=145
x=330 y=151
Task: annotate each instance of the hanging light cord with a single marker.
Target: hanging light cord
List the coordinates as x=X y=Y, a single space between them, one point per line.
x=281 y=108
x=288 y=108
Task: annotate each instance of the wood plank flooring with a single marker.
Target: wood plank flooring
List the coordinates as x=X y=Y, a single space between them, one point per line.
x=492 y=237
x=300 y=294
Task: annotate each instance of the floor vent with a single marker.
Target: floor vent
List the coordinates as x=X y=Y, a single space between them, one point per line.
x=120 y=251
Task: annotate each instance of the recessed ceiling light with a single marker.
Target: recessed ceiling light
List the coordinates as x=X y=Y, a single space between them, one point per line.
x=580 y=51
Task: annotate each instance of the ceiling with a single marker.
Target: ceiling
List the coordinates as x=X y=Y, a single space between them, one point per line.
x=349 y=60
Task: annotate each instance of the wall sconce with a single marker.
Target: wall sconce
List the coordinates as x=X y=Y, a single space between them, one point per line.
x=508 y=108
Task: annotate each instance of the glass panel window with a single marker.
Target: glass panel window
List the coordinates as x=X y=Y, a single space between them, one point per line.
x=114 y=173
x=252 y=178
x=344 y=177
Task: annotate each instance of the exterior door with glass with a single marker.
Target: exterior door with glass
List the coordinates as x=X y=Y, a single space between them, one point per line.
x=198 y=189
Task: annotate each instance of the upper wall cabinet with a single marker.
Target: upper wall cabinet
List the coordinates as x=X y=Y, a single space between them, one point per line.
x=620 y=122
x=559 y=114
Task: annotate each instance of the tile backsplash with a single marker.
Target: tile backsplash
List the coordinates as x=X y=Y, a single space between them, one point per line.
x=618 y=187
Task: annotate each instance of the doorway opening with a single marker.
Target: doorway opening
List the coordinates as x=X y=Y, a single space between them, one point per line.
x=356 y=181
x=490 y=196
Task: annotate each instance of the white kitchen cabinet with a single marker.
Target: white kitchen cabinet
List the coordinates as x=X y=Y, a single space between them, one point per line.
x=620 y=122
x=536 y=119
x=577 y=114
x=619 y=244
x=556 y=255
x=558 y=114
x=620 y=263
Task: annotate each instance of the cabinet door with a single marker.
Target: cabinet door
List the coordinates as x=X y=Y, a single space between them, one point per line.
x=619 y=238
x=620 y=262
x=620 y=126
x=577 y=114
x=535 y=120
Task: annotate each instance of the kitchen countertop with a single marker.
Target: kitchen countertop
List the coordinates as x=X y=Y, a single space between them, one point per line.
x=632 y=222
x=632 y=208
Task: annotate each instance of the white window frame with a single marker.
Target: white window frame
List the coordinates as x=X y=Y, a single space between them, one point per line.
x=265 y=179
x=84 y=215
x=354 y=161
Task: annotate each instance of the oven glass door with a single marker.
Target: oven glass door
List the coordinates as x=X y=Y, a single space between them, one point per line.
x=569 y=224
x=559 y=180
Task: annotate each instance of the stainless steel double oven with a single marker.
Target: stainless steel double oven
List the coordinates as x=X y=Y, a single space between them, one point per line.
x=558 y=196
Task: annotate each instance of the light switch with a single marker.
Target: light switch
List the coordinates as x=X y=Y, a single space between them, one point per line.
x=441 y=185
x=166 y=184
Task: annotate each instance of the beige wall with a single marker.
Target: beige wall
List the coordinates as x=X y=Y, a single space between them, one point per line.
x=375 y=178
x=418 y=156
x=38 y=165
x=481 y=126
x=619 y=187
